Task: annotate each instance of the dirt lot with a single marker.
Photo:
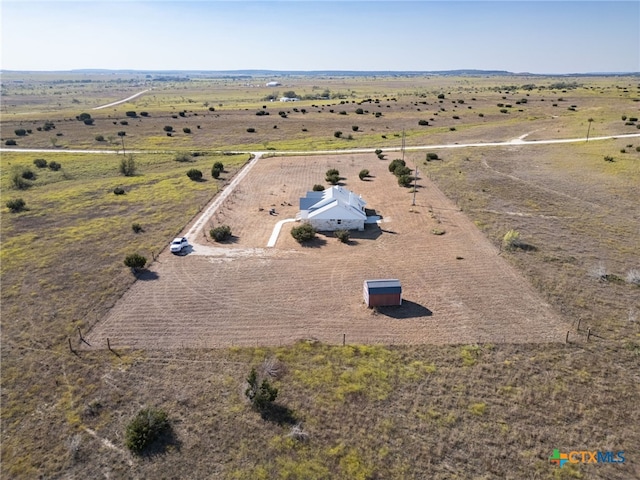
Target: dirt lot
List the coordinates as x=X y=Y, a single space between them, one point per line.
x=456 y=286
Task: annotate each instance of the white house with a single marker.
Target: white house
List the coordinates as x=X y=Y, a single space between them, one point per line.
x=289 y=99
x=273 y=84
x=335 y=208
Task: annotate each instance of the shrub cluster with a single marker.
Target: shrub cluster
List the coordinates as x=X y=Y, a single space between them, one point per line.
x=194 y=174
x=303 y=233
x=364 y=173
x=145 y=428
x=135 y=261
x=260 y=394
x=332 y=176
x=220 y=233
x=217 y=169
x=16 y=205
x=342 y=235
x=318 y=188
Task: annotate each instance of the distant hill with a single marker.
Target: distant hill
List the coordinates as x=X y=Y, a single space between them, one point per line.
x=328 y=73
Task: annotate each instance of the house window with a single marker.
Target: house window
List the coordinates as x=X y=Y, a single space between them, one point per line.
x=339 y=221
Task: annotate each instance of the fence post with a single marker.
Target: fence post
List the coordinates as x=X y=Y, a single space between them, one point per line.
x=566 y=339
x=344 y=339
x=588 y=334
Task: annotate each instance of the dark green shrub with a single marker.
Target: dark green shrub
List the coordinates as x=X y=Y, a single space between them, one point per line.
x=10 y=142
x=355 y=128
x=608 y=159
x=83 y=116
x=378 y=151
x=55 y=166
x=332 y=176
x=99 y=138
x=16 y=205
x=220 y=233
x=124 y=122
x=186 y=130
x=118 y=191
x=20 y=132
x=122 y=133
x=261 y=395
x=144 y=114
x=423 y=122
x=364 y=173
x=342 y=235
x=40 y=163
x=128 y=166
x=337 y=134
x=624 y=117
x=135 y=261
x=28 y=174
x=131 y=114
x=633 y=119
x=405 y=180
x=395 y=163
x=320 y=188
x=402 y=170
x=303 y=233
x=359 y=111
x=441 y=96
x=219 y=166
x=215 y=173
x=145 y=428
x=432 y=156
x=168 y=128
x=194 y=174
x=504 y=110
x=251 y=130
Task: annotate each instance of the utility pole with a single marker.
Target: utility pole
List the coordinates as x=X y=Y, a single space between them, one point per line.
x=589 y=129
x=403 y=145
x=415 y=186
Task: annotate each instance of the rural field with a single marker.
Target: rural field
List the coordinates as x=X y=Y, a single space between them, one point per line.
x=496 y=358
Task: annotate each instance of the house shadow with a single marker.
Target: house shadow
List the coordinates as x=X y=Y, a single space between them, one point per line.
x=408 y=309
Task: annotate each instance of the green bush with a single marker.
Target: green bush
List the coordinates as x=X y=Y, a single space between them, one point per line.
x=423 y=122
x=405 y=180
x=11 y=142
x=355 y=128
x=364 y=173
x=128 y=166
x=261 y=395
x=219 y=166
x=194 y=174
x=135 y=261
x=20 y=132
x=318 y=188
x=16 y=205
x=28 y=174
x=137 y=228
x=511 y=240
x=395 y=163
x=220 y=233
x=18 y=182
x=378 y=151
x=337 y=134
x=55 y=166
x=215 y=172
x=608 y=159
x=118 y=191
x=145 y=428
x=131 y=114
x=168 y=128
x=40 y=163
x=251 y=130
x=186 y=130
x=83 y=117
x=144 y=114
x=342 y=235
x=402 y=170
x=303 y=233
x=432 y=156
x=441 y=96
x=99 y=138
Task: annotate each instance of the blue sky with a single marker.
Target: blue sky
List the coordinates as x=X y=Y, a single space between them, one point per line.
x=518 y=36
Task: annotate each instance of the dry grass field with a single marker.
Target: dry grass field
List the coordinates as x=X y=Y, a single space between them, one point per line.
x=471 y=378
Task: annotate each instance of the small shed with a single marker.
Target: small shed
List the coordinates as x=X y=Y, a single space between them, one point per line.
x=381 y=293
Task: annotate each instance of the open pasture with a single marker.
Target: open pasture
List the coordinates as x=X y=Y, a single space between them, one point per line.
x=476 y=410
